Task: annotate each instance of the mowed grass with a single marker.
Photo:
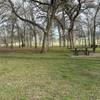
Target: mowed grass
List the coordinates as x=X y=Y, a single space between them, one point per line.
x=50 y=76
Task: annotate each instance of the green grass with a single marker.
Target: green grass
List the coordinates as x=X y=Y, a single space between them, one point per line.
x=51 y=76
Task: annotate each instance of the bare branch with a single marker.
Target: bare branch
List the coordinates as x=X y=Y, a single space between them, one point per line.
x=26 y=20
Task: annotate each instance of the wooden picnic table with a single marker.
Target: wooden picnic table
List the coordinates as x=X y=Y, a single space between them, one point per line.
x=81 y=51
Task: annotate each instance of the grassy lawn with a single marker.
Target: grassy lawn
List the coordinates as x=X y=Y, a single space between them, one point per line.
x=51 y=76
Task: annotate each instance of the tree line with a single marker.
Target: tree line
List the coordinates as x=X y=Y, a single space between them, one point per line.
x=22 y=21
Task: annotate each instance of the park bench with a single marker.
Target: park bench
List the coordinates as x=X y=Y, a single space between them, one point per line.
x=81 y=51
x=95 y=46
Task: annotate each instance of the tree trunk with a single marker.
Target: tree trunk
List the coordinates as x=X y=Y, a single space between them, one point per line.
x=63 y=29
x=5 y=42
x=94 y=47
x=71 y=35
x=12 y=36
x=94 y=35
x=44 y=46
x=30 y=40
x=59 y=36
x=35 y=36
x=64 y=41
x=46 y=38
x=22 y=41
x=18 y=37
x=24 y=37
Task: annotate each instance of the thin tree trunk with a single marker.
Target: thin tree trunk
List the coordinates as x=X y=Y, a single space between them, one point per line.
x=30 y=40
x=35 y=36
x=12 y=36
x=70 y=34
x=94 y=38
x=59 y=36
x=64 y=41
x=24 y=37
x=18 y=37
x=44 y=47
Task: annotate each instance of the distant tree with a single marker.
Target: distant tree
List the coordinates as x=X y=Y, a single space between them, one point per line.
x=94 y=24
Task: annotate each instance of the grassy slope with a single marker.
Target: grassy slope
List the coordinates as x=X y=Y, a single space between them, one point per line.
x=53 y=76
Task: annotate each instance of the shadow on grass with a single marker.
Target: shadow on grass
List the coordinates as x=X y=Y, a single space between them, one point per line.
x=87 y=59
x=37 y=58
x=49 y=56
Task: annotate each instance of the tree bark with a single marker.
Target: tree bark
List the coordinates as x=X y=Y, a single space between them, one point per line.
x=71 y=35
x=44 y=47
x=35 y=36
x=94 y=32
x=59 y=36
x=12 y=35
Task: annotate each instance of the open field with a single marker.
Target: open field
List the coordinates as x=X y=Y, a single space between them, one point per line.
x=51 y=76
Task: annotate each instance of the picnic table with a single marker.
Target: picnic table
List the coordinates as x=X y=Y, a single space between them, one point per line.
x=83 y=50
x=80 y=51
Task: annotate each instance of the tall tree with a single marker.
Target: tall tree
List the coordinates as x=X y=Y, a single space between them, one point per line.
x=94 y=23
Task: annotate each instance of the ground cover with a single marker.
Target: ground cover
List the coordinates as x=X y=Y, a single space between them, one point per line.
x=51 y=76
